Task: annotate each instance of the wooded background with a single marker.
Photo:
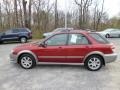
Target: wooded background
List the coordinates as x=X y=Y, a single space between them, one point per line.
x=43 y=15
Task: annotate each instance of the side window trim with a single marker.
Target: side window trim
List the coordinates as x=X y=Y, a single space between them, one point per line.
x=89 y=43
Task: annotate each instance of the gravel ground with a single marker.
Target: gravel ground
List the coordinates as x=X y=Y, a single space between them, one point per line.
x=57 y=77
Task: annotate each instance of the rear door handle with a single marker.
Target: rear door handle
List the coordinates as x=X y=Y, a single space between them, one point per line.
x=60 y=47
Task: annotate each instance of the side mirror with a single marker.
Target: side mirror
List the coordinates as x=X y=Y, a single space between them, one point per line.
x=43 y=45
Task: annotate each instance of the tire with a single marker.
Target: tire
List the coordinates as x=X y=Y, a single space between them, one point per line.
x=94 y=62
x=23 y=39
x=27 y=61
x=119 y=36
x=1 y=42
x=107 y=35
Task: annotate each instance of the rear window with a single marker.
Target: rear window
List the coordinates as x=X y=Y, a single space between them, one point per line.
x=99 y=38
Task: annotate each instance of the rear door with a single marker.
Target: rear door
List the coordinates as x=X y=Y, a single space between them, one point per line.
x=77 y=48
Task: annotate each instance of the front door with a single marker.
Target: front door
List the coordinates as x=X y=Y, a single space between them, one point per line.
x=55 y=51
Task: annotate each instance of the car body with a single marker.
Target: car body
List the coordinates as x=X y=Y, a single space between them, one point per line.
x=73 y=47
x=110 y=33
x=16 y=34
x=56 y=31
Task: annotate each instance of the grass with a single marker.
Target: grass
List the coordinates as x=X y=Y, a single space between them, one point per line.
x=37 y=34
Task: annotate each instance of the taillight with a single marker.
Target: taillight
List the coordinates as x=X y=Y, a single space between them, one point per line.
x=113 y=47
x=30 y=34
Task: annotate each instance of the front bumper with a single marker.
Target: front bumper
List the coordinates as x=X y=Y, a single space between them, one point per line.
x=13 y=58
x=110 y=57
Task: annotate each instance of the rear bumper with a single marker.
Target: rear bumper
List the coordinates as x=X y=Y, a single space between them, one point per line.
x=110 y=57
x=13 y=58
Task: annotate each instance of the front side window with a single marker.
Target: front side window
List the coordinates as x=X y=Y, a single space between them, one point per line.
x=77 y=39
x=59 y=39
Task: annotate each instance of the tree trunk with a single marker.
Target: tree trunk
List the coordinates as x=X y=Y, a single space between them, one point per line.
x=56 y=15
x=25 y=13
x=16 y=13
x=29 y=21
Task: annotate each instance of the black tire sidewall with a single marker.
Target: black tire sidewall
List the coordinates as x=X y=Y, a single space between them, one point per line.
x=1 y=42
x=32 y=58
x=107 y=35
x=86 y=62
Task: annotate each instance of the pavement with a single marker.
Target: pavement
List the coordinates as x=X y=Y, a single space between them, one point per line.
x=57 y=77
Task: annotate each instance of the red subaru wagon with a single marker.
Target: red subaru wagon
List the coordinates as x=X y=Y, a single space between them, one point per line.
x=73 y=47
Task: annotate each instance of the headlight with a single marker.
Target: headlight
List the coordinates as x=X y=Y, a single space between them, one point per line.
x=12 y=51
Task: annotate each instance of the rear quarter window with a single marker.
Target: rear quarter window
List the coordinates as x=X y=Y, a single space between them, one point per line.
x=99 y=38
x=24 y=30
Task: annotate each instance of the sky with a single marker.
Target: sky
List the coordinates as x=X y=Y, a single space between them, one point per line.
x=112 y=7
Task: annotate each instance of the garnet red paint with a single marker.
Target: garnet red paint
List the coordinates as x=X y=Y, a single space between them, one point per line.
x=65 y=53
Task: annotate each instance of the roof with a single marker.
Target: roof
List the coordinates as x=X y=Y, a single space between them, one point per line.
x=74 y=31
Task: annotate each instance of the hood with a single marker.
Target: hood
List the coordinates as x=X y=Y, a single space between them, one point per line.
x=102 y=32
x=29 y=46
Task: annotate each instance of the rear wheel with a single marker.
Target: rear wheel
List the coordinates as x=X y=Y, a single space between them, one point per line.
x=23 y=39
x=94 y=62
x=107 y=35
x=1 y=42
x=119 y=36
x=27 y=61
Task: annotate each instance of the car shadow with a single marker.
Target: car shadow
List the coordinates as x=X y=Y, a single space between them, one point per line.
x=13 y=42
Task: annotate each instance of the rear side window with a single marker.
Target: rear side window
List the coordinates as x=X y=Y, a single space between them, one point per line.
x=77 y=39
x=23 y=30
x=15 y=31
x=99 y=38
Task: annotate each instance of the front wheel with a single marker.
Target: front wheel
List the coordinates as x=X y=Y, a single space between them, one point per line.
x=94 y=63
x=27 y=61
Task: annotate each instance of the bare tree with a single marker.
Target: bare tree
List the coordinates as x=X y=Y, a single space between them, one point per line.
x=56 y=14
x=7 y=7
x=16 y=13
x=20 y=13
x=83 y=7
x=25 y=13
x=1 y=24
x=30 y=13
x=98 y=13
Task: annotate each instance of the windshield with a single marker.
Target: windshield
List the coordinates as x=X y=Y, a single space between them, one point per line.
x=38 y=42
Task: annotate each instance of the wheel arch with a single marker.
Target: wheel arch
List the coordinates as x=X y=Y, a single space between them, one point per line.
x=95 y=53
x=23 y=36
x=27 y=52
